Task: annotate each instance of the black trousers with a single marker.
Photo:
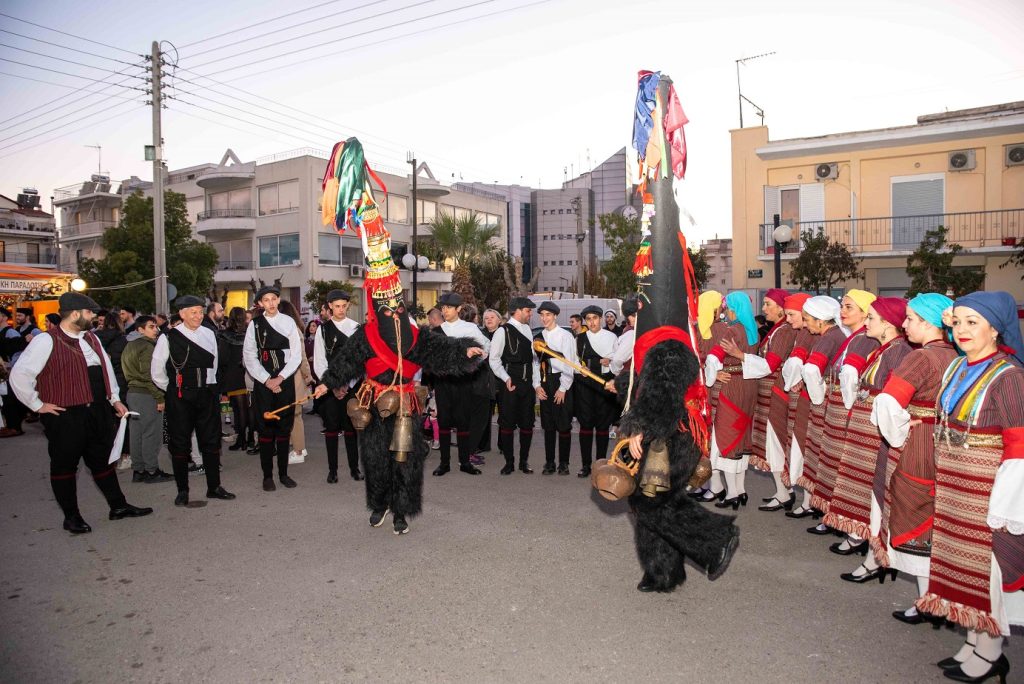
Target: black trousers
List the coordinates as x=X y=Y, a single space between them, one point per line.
x=459 y=409
x=596 y=409
x=274 y=434
x=338 y=424
x=196 y=411
x=81 y=433
x=14 y=411
x=516 y=410
x=556 y=420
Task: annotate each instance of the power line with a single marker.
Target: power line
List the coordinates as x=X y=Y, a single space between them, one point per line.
x=65 y=73
x=65 y=103
x=183 y=112
x=76 y=130
x=61 y=59
x=64 y=47
x=77 y=112
x=260 y=23
x=251 y=123
x=65 y=33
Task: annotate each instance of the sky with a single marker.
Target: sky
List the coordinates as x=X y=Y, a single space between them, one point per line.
x=508 y=91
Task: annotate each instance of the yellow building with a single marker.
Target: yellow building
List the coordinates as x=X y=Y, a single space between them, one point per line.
x=878 y=192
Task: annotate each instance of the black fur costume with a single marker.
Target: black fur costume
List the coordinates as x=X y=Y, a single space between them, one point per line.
x=390 y=484
x=671 y=526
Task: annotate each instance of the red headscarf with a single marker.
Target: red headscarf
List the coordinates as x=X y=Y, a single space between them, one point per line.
x=777 y=295
x=795 y=302
x=892 y=309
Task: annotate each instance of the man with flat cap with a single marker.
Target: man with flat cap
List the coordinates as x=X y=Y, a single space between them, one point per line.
x=596 y=408
x=330 y=342
x=184 y=366
x=514 y=363
x=272 y=352
x=462 y=401
x=555 y=384
x=66 y=377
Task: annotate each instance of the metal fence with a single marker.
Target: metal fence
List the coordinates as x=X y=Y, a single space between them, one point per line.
x=236 y=265
x=226 y=213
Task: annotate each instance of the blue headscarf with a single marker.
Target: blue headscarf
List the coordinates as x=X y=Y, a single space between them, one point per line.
x=929 y=306
x=1000 y=310
x=739 y=303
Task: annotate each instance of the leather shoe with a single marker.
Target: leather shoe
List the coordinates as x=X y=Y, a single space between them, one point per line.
x=819 y=531
x=472 y=470
x=237 y=446
x=76 y=525
x=268 y=484
x=219 y=493
x=717 y=567
x=332 y=477
x=181 y=499
x=548 y=470
x=356 y=475
x=914 y=619
x=507 y=470
x=129 y=511
x=525 y=469
x=441 y=470
x=838 y=549
x=563 y=470
x=584 y=472
x=252 y=449
x=287 y=481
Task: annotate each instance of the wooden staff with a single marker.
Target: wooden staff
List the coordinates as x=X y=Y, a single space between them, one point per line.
x=541 y=347
x=272 y=415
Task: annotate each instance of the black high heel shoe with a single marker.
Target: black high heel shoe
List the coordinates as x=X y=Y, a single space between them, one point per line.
x=838 y=549
x=878 y=573
x=743 y=499
x=720 y=496
x=778 y=506
x=1000 y=668
x=733 y=503
x=697 y=493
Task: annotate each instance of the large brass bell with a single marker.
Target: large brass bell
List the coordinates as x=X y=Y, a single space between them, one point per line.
x=401 y=438
x=612 y=478
x=421 y=396
x=656 y=478
x=359 y=416
x=701 y=474
x=388 y=403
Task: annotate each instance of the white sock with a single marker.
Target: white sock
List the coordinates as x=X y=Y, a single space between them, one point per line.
x=715 y=483
x=741 y=482
x=922 y=586
x=781 y=493
x=967 y=650
x=989 y=648
x=730 y=485
x=806 y=502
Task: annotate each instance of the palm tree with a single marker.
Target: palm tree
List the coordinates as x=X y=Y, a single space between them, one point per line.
x=462 y=239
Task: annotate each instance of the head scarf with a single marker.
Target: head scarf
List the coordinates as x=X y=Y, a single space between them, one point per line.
x=929 y=306
x=739 y=303
x=778 y=296
x=822 y=307
x=1000 y=310
x=861 y=298
x=795 y=302
x=892 y=309
x=707 y=304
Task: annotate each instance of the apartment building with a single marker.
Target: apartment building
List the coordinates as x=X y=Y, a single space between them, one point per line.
x=28 y=235
x=719 y=255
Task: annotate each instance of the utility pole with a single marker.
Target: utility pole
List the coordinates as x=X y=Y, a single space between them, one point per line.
x=159 y=244
x=416 y=254
x=576 y=204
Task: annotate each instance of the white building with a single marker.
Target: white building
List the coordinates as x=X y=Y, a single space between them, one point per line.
x=28 y=235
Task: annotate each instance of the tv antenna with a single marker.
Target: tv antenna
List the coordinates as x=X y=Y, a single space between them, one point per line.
x=739 y=90
x=99 y=160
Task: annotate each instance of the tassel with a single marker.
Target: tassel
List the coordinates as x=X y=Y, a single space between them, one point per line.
x=177 y=381
x=643 y=265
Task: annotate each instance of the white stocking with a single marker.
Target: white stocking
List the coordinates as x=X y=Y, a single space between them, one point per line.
x=967 y=649
x=730 y=485
x=715 y=483
x=781 y=493
x=989 y=648
x=741 y=482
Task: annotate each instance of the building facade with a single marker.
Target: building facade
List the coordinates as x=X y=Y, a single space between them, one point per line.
x=879 y=191
x=28 y=235
x=719 y=255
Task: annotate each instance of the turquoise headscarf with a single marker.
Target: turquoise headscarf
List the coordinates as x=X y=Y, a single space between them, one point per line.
x=929 y=306
x=739 y=303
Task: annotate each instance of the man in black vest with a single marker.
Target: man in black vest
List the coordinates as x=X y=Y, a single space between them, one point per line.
x=596 y=408
x=514 y=363
x=184 y=366
x=330 y=342
x=556 y=379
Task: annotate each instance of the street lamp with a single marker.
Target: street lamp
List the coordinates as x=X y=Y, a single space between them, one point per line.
x=411 y=158
x=781 y=235
x=415 y=263
x=567 y=283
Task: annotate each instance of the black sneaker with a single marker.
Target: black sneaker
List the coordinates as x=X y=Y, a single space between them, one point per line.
x=401 y=526
x=159 y=476
x=377 y=517
x=140 y=476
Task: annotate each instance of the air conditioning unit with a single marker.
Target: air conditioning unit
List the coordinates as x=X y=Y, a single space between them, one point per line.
x=961 y=160
x=1015 y=154
x=355 y=271
x=827 y=171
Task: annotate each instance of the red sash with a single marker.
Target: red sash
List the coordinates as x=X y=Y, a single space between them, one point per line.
x=386 y=358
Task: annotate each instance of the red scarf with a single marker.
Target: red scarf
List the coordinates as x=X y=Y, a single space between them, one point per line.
x=386 y=358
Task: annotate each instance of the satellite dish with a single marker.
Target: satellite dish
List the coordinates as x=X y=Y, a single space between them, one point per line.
x=172 y=292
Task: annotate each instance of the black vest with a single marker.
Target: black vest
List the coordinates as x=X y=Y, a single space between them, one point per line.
x=270 y=345
x=588 y=357
x=187 y=362
x=334 y=340
x=517 y=356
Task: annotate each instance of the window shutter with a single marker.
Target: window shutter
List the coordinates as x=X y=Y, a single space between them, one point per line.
x=812 y=202
x=916 y=208
x=771 y=202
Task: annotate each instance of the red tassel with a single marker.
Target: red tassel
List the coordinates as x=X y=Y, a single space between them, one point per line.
x=177 y=381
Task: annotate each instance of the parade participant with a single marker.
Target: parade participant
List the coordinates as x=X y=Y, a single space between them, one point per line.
x=492 y=319
x=576 y=324
x=330 y=341
x=850 y=506
x=64 y=375
x=145 y=399
x=303 y=380
x=773 y=349
x=736 y=401
x=904 y=411
x=623 y=353
x=231 y=375
x=842 y=379
x=556 y=380
x=978 y=537
x=711 y=329
x=388 y=350
x=789 y=433
x=821 y=317
x=596 y=408
x=184 y=366
x=272 y=353
x=12 y=343
x=611 y=322
x=515 y=365
x=214 y=319
x=434 y=318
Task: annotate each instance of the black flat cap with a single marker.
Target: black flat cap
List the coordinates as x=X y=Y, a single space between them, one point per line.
x=267 y=289
x=450 y=299
x=596 y=310
x=76 y=301
x=521 y=303
x=550 y=307
x=5 y=311
x=187 y=302
x=630 y=305
x=335 y=295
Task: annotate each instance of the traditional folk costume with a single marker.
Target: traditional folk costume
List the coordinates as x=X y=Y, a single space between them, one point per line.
x=712 y=329
x=72 y=371
x=388 y=350
x=666 y=400
x=184 y=366
x=273 y=349
x=596 y=409
x=512 y=358
x=556 y=376
x=329 y=342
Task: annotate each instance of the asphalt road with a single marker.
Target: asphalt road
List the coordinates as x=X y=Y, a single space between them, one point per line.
x=523 y=578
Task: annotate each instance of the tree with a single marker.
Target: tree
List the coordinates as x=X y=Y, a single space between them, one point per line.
x=129 y=259
x=318 y=289
x=462 y=239
x=701 y=266
x=1017 y=258
x=931 y=269
x=622 y=237
x=462 y=282
x=822 y=264
x=489 y=280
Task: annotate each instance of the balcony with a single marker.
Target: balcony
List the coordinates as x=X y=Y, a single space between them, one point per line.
x=226 y=223
x=84 y=231
x=44 y=257
x=978 y=232
x=223 y=177
x=234 y=272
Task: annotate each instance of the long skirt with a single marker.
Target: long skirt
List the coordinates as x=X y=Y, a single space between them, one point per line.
x=850 y=506
x=834 y=421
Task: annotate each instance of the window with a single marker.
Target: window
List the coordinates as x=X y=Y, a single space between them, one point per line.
x=396 y=209
x=917 y=205
x=426 y=211
x=561 y=263
x=233 y=254
x=560 y=211
x=491 y=220
x=335 y=250
x=398 y=250
x=461 y=213
x=279 y=250
x=545 y=238
x=240 y=199
x=279 y=198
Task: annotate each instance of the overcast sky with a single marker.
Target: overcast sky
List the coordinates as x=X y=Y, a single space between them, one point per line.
x=514 y=97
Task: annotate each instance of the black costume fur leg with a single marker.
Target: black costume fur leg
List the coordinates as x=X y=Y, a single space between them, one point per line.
x=661 y=561
x=389 y=484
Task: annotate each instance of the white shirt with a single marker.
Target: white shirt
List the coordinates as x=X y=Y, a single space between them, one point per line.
x=346 y=327
x=461 y=328
x=498 y=348
x=623 y=351
x=34 y=358
x=292 y=355
x=201 y=337
x=563 y=342
x=602 y=342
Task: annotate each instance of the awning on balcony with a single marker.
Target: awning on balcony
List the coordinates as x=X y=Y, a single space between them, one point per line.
x=19 y=283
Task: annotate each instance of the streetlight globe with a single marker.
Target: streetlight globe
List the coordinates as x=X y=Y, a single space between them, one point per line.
x=422 y=262
x=409 y=260
x=782 y=234
x=77 y=284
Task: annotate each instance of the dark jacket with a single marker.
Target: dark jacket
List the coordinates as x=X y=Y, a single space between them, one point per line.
x=230 y=371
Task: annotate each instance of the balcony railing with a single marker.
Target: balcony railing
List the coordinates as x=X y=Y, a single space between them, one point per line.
x=226 y=213
x=235 y=265
x=89 y=228
x=45 y=257
x=973 y=230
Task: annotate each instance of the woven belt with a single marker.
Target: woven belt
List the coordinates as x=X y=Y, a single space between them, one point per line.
x=958 y=438
x=921 y=411
x=732 y=369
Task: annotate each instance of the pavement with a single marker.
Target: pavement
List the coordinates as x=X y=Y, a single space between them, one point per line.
x=519 y=578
